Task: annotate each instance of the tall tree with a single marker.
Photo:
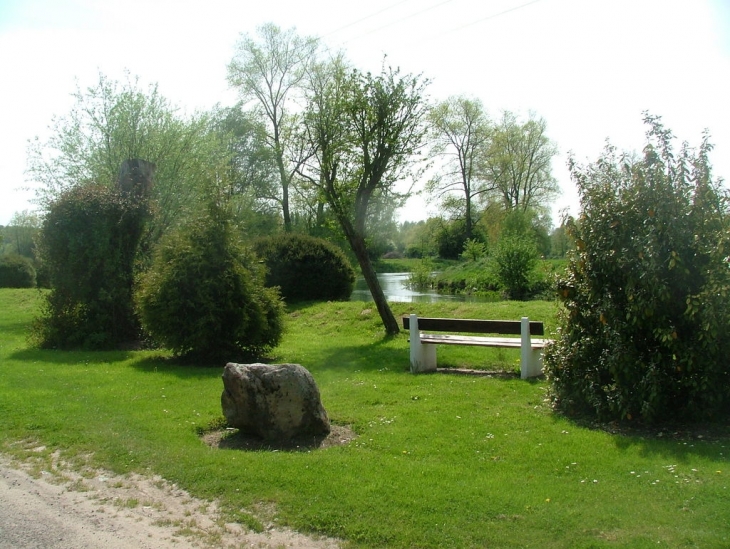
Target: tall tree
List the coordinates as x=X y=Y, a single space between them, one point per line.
x=365 y=132
x=460 y=132
x=271 y=70
x=518 y=164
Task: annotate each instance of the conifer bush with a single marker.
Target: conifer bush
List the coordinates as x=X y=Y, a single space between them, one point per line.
x=204 y=296
x=306 y=268
x=647 y=291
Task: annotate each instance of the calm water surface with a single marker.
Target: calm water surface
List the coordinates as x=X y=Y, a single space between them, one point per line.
x=394 y=287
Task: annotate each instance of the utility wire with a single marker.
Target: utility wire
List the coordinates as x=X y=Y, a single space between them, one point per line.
x=367 y=17
x=411 y=16
x=493 y=16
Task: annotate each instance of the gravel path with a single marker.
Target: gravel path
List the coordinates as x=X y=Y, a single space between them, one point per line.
x=63 y=509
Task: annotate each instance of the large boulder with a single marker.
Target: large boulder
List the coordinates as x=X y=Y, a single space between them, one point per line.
x=273 y=401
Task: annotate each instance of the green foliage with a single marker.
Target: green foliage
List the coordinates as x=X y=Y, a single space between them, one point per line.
x=474 y=250
x=204 y=296
x=461 y=134
x=16 y=271
x=364 y=132
x=421 y=276
x=88 y=244
x=514 y=261
x=113 y=121
x=20 y=235
x=647 y=290
x=451 y=239
x=306 y=268
x=518 y=164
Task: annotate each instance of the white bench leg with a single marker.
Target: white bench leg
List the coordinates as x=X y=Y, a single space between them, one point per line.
x=423 y=357
x=530 y=359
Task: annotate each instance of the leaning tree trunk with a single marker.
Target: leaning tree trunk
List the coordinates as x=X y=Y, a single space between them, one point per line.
x=357 y=242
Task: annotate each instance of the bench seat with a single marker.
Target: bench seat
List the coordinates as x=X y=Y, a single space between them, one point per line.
x=423 y=345
x=478 y=341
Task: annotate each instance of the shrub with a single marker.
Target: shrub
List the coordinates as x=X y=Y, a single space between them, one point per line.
x=88 y=245
x=306 y=268
x=514 y=262
x=204 y=295
x=473 y=250
x=421 y=276
x=16 y=271
x=647 y=289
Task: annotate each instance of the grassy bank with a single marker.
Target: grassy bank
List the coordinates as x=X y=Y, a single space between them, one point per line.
x=439 y=460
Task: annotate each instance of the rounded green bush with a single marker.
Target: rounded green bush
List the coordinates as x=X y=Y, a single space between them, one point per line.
x=16 y=271
x=204 y=295
x=306 y=268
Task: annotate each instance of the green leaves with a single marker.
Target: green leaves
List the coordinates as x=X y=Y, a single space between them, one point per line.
x=204 y=295
x=645 y=295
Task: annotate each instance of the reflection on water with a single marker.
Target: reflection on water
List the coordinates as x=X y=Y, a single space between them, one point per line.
x=394 y=287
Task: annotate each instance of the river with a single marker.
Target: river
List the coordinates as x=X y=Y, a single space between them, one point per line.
x=394 y=287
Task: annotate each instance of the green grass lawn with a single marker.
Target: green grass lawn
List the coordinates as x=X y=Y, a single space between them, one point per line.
x=439 y=460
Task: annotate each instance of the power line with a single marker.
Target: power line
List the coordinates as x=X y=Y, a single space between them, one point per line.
x=411 y=16
x=367 y=17
x=493 y=16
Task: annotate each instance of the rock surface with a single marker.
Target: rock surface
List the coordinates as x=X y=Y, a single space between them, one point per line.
x=273 y=401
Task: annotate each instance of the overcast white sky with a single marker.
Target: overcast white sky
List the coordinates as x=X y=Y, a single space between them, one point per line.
x=589 y=67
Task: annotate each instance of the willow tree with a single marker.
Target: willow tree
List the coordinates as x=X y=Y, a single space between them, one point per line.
x=113 y=121
x=365 y=132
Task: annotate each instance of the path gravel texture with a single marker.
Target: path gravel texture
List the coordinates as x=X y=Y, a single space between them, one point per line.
x=62 y=509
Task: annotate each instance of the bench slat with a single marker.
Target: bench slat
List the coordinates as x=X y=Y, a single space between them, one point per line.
x=475 y=326
x=507 y=342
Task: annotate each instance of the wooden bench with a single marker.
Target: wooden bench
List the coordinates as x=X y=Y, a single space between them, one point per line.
x=423 y=345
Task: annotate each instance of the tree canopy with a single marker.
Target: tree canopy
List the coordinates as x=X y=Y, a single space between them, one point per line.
x=364 y=132
x=271 y=70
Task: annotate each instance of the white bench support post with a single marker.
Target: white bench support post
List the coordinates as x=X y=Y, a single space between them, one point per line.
x=530 y=359
x=423 y=357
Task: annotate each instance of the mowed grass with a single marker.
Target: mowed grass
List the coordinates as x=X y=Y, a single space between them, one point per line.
x=439 y=460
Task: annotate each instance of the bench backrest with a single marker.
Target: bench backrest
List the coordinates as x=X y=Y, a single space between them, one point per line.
x=505 y=327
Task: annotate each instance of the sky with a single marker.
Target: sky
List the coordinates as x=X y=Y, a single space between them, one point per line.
x=590 y=68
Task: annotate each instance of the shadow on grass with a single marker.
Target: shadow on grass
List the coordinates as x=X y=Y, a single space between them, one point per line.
x=52 y=356
x=678 y=441
x=178 y=367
